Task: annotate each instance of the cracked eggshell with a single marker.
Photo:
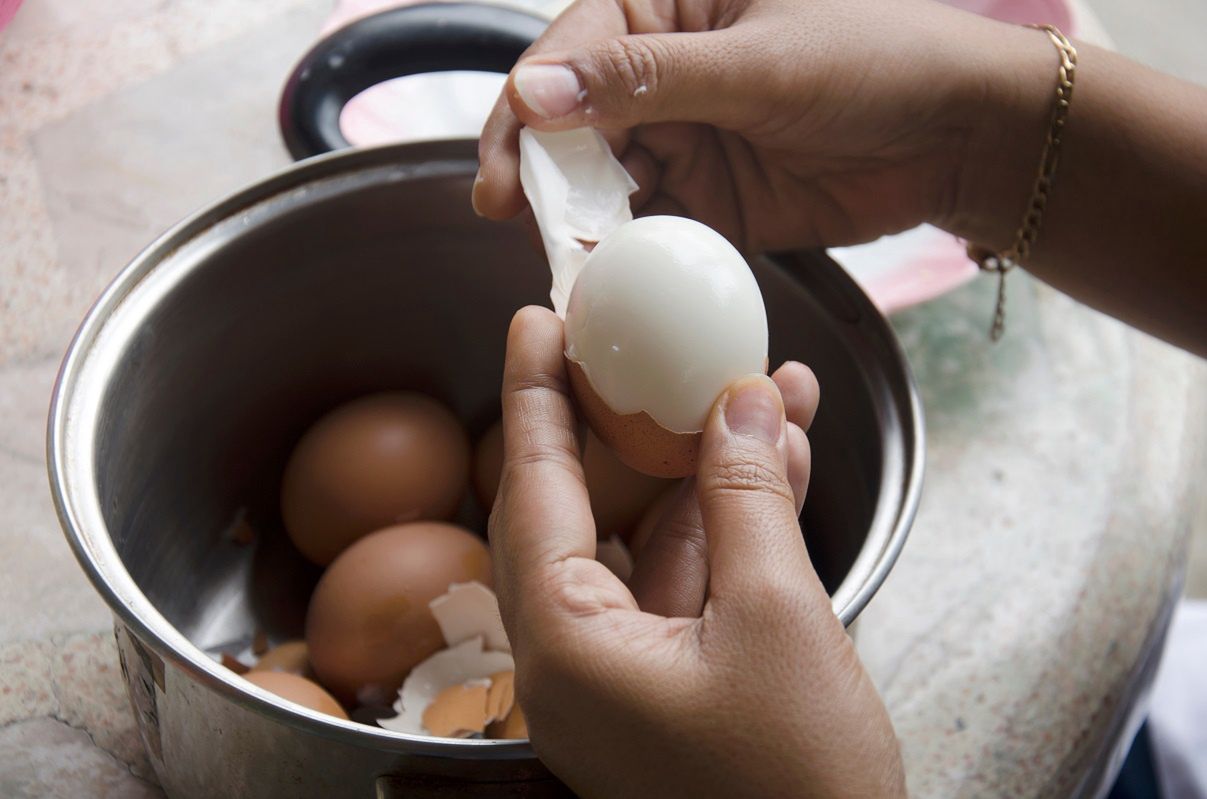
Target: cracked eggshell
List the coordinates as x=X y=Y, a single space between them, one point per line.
x=456 y=665
x=664 y=315
x=470 y=610
x=579 y=193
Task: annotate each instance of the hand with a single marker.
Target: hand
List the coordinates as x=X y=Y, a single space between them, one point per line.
x=779 y=123
x=755 y=690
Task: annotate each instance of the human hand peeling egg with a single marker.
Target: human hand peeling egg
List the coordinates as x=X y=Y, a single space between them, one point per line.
x=661 y=313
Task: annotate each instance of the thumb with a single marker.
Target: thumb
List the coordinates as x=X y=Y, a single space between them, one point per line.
x=747 y=503
x=629 y=80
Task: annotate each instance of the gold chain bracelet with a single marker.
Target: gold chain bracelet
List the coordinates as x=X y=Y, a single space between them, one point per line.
x=1028 y=232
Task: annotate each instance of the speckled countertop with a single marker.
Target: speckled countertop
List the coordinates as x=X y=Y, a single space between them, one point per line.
x=1012 y=639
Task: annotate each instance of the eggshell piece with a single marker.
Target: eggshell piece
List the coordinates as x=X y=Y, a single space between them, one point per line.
x=291 y=657
x=458 y=711
x=513 y=727
x=297 y=689
x=638 y=441
x=456 y=665
x=470 y=610
x=369 y=621
x=501 y=697
x=383 y=459
x=578 y=193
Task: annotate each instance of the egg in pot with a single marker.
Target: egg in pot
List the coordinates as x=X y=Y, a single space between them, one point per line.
x=369 y=622
x=379 y=460
x=297 y=689
x=619 y=494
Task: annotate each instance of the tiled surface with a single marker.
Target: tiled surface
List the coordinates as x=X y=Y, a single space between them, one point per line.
x=1055 y=509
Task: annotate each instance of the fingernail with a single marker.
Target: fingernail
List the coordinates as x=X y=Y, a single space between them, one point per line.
x=550 y=90
x=473 y=194
x=754 y=409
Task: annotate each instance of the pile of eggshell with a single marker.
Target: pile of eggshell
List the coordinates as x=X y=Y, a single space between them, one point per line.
x=403 y=616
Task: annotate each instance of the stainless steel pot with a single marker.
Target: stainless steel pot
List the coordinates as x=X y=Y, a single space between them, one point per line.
x=201 y=364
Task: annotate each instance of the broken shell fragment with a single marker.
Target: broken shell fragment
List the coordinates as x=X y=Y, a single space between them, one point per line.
x=470 y=610
x=450 y=667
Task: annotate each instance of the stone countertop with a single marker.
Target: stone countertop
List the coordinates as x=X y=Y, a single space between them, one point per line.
x=1012 y=640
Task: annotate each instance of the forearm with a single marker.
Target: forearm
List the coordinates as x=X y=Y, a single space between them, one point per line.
x=1125 y=228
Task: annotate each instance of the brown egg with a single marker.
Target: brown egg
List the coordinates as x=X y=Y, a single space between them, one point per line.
x=369 y=622
x=639 y=441
x=297 y=689
x=291 y=657
x=379 y=460
x=618 y=494
x=488 y=464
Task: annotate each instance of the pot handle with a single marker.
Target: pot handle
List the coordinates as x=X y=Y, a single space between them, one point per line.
x=409 y=40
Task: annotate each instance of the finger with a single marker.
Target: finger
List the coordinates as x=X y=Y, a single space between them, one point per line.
x=747 y=503
x=662 y=205
x=799 y=464
x=670 y=577
x=542 y=514
x=496 y=192
x=622 y=81
x=644 y=170
x=798 y=386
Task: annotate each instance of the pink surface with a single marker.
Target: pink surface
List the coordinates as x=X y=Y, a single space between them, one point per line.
x=8 y=9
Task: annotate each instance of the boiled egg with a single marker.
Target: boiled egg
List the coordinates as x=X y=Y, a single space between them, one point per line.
x=379 y=460
x=661 y=313
x=369 y=621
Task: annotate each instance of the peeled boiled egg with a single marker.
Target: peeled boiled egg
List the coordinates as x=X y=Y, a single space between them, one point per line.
x=369 y=622
x=297 y=689
x=662 y=314
x=619 y=494
x=382 y=459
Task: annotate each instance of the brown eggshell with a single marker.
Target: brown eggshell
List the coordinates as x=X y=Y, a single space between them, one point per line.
x=369 y=623
x=513 y=727
x=297 y=689
x=291 y=657
x=639 y=441
x=618 y=494
x=382 y=459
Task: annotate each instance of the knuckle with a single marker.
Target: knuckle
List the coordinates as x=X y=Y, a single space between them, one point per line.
x=634 y=64
x=745 y=478
x=539 y=382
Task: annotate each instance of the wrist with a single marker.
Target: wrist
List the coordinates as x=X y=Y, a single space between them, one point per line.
x=1008 y=112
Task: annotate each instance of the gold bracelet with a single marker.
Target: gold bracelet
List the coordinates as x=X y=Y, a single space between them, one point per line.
x=1028 y=232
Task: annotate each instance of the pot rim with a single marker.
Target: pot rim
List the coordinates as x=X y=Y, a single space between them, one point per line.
x=70 y=444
